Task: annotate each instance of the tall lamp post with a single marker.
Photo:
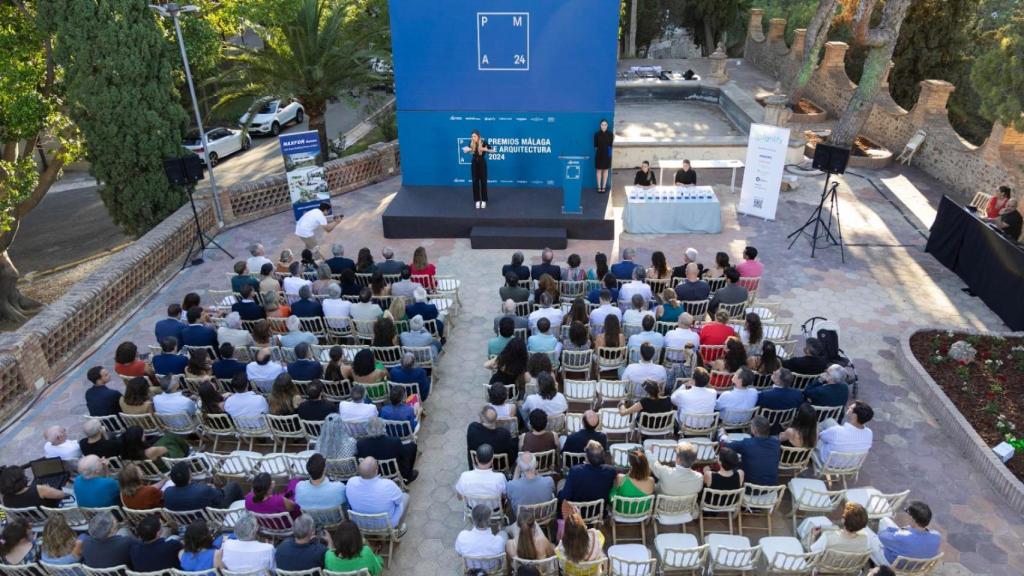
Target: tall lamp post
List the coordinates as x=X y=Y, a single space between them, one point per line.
x=171 y=10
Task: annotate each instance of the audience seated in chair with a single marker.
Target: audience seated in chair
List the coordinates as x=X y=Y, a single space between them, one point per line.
x=914 y=540
x=337 y=261
x=319 y=492
x=547 y=310
x=369 y=493
x=591 y=480
x=623 y=270
x=426 y=310
x=349 y=553
x=246 y=307
x=849 y=537
x=731 y=293
x=829 y=390
x=198 y=332
x=171 y=325
x=646 y=369
x=315 y=407
x=306 y=306
x=812 y=362
x=648 y=336
x=264 y=370
x=305 y=366
x=303 y=551
x=689 y=256
x=268 y=283
x=681 y=479
x=356 y=408
x=742 y=396
x=245 y=553
x=695 y=397
x=716 y=332
x=482 y=482
x=96 y=441
x=751 y=267
x=579 y=544
x=542 y=341
x=102 y=547
x=151 y=553
x=93 y=487
x=527 y=487
x=479 y=541
x=578 y=440
x=516 y=267
x=405 y=287
x=379 y=445
x=692 y=288
x=513 y=291
x=760 y=453
x=58 y=445
x=226 y=366
x=851 y=436
x=99 y=399
x=545 y=266
x=636 y=287
x=245 y=402
x=295 y=334
x=781 y=396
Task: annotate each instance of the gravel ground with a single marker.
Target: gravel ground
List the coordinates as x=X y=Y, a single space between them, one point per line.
x=50 y=287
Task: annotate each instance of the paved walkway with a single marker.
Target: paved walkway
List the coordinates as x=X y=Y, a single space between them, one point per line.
x=886 y=285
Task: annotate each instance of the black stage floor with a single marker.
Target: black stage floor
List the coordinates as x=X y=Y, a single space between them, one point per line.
x=448 y=212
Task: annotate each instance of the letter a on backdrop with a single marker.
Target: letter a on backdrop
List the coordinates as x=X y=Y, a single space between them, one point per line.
x=762 y=177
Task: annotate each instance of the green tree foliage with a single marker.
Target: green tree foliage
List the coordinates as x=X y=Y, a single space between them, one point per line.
x=318 y=54
x=714 y=21
x=998 y=73
x=797 y=13
x=120 y=91
x=936 y=42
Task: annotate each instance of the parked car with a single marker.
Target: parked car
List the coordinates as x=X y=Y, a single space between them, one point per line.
x=273 y=115
x=223 y=143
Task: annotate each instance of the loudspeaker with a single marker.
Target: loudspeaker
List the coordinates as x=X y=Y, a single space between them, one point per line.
x=830 y=158
x=184 y=171
x=689 y=74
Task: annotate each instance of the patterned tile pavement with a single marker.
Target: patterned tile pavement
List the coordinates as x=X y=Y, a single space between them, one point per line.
x=887 y=284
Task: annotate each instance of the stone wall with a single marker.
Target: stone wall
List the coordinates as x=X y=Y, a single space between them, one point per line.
x=944 y=155
x=45 y=346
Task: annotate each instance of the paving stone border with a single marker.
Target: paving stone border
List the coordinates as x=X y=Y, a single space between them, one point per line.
x=977 y=452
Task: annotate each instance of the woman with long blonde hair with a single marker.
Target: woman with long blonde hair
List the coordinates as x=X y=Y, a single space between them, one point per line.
x=529 y=542
x=479 y=149
x=579 y=545
x=59 y=543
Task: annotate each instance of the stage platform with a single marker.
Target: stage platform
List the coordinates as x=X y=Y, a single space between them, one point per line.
x=448 y=212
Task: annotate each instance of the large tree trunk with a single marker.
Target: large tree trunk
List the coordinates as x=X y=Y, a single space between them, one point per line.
x=709 y=37
x=14 y=306
x=318 y=121
x=882 y=42
x=817 y=33
x=631 y=39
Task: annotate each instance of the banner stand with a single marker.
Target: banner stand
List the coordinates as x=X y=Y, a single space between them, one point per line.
x=762 y=176
x=304 y=169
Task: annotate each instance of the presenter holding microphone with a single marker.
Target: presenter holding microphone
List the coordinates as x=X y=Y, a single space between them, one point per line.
x=603 y=140
x=478 y=148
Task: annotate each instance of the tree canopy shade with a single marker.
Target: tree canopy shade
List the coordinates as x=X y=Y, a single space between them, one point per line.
x=318 y=54
x=998 y=74
x=120 y=92
x=30 y=112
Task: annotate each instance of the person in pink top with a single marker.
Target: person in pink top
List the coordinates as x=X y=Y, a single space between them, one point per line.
x=751 y=267
x=262 y=499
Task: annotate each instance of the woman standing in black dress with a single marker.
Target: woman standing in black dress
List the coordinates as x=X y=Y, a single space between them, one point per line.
x=603 y=140
x=478 y=148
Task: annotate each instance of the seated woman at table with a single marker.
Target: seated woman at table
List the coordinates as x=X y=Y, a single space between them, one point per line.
x=644 y=176
x=686 y=176
x=997 y=205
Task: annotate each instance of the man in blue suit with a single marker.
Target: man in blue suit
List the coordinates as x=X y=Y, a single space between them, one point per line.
x=781 y=396
x=339 y=263
x=624 y=270
x=546 y=267
x=306 y=306
x=170 y=326
x=423 y=308
x=197 y=333
x=247 y=308
x=591 y=480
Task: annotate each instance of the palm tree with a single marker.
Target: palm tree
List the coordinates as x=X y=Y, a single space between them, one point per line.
x=313 y=57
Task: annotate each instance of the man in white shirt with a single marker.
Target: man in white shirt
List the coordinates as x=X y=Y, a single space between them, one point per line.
x=337 y=310
x=311 y=226
x=677 y=338
x=369 y=493
x=649 y=335
x=681 y=479
x=233 y=333
x=365 y=310
x=245 y=553
x=640 y=372
x=291 y=284
x=263 y=371
x=481 y=483
x=256 y=258
x=244 y=403
x=695 y=399
x=355 y=409
x=58 y=446
x=546 y=310
x=733 y=405
x=479 y=541
x=637 y=286
x=851 y=436
x=599 y=314
x=172 y=401
x=636 y=312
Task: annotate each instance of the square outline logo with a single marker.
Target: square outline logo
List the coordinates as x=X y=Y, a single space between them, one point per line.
x=478 y=65
x=462 y=142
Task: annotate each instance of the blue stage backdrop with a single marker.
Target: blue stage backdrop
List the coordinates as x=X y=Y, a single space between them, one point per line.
x=535 y=77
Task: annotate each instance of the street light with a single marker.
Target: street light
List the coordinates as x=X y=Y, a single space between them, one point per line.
x=171 y=10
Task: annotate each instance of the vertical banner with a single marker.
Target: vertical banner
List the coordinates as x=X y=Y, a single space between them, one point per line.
x=304 y=168
x=762 y=176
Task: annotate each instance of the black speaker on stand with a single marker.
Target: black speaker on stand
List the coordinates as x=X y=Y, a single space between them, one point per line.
x=185 y=172
x=831 y=160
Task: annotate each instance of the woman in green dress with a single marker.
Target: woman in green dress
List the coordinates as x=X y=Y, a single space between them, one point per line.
x=636 y=484
x=348 y=552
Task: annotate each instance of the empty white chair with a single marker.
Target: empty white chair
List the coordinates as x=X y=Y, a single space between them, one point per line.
x=732 y=554
x=631 y=560
x=785 y=556
x=680 y=554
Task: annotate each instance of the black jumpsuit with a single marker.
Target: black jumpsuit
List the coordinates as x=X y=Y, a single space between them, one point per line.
x=479 y=172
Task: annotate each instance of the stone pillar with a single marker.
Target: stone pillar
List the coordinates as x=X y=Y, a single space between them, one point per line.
x=224 y=199
x=755 y=29
x=719 y=75
x=990 y=150
x=885 y=77
x=387 y=153
x=796 y=49
x=934 y=96
x=776 y=109
x=776 y=30
x=835 y=55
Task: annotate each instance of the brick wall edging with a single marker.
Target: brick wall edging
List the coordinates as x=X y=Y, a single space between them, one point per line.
x=977 y=452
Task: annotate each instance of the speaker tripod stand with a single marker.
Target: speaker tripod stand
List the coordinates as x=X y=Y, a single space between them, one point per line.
x=193 y=257
x=822 y=229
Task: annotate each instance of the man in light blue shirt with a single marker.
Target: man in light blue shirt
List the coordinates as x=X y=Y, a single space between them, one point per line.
x=295 y=334
x=648 y=335
x=506 y=330
x=913 y=541
x=93 y=488
x=542 y=341
x=319 y=492
x=419 y=337
x=369 y=493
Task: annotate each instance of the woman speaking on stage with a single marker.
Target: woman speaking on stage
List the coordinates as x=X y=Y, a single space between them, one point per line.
x=478 y=148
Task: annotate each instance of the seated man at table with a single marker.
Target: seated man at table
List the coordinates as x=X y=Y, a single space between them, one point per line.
x=686 y=176
x=644 y=176
x=1009 y=222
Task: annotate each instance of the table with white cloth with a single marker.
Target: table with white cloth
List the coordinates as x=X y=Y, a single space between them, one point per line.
x=672 y=209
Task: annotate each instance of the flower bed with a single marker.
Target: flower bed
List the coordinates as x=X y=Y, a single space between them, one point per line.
x=988 y=392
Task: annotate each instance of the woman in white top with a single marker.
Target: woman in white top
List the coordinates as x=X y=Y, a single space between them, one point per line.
x=245 y=553
x=752 y=334
x=498 y=398
x=848 y=538
x=548 y=398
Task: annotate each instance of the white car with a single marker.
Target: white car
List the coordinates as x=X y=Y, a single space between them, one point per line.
x=223 y=143
x=274 y=114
